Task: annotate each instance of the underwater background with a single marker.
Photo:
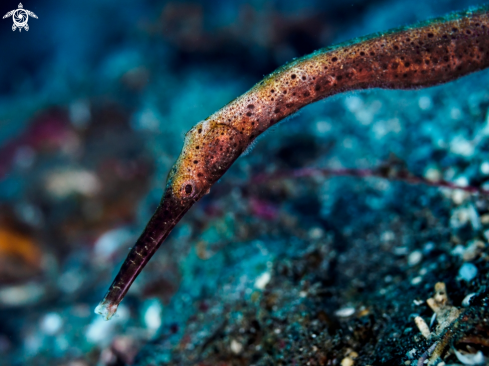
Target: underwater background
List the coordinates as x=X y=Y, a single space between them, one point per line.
x=95 y=100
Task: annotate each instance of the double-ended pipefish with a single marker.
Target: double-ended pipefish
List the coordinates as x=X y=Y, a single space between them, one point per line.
x=417 y=56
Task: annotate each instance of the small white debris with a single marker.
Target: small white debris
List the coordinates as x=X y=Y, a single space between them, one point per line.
x=425 y=103
x=51 y=323
x=432 y=321
x=418 y=302
x=316 y=233
x=21 y=295
x=345 y=312
x=422 y=326
x=474 y=218
x=109 y=242
x=411 y=354
x=485 y=219
x=416 y=280
x=485 y=168
x=387 y=236
x=466 y=300
x=460 y=217
x=63 y=183
x=262 y=281
x=459 y=196
x=236 y=347
x=414 y=258
x=354 y=103
x=428 y=247
x=347 y=361
x=470 y=359
x=458 y=251
x=467 y=272
x=433 y=174
x=473 y=250
x=461 y=146
x=70 y=281
x=461 y=181
x=364 y=116
x=152 y=315
x=323 y=127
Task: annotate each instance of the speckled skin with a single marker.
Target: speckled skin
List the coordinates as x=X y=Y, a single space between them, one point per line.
x=423 y=55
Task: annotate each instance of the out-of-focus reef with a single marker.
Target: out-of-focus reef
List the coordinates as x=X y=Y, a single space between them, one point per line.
x=294 y=271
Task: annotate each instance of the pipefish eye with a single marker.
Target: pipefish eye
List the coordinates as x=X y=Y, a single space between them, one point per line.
x=188 y=189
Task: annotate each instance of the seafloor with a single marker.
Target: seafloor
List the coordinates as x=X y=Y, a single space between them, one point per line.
x=282 y=270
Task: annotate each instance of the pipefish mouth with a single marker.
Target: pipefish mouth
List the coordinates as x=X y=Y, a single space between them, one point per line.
x=418 y=56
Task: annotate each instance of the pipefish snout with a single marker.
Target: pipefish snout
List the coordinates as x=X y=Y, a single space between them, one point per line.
x=418 y=56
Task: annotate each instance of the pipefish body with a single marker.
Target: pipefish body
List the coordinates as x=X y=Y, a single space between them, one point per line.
x=418 y=56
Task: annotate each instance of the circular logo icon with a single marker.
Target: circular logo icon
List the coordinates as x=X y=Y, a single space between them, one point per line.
x=20 y=18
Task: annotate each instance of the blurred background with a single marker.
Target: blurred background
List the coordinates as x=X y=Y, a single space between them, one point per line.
x=94 y=102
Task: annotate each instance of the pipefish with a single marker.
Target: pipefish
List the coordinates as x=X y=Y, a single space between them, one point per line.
x=418 y=56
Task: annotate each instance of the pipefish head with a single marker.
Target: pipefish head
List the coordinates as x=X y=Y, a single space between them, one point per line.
x=209 y=150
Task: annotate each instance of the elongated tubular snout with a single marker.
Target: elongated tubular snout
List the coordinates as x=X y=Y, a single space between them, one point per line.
x=165 y=218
